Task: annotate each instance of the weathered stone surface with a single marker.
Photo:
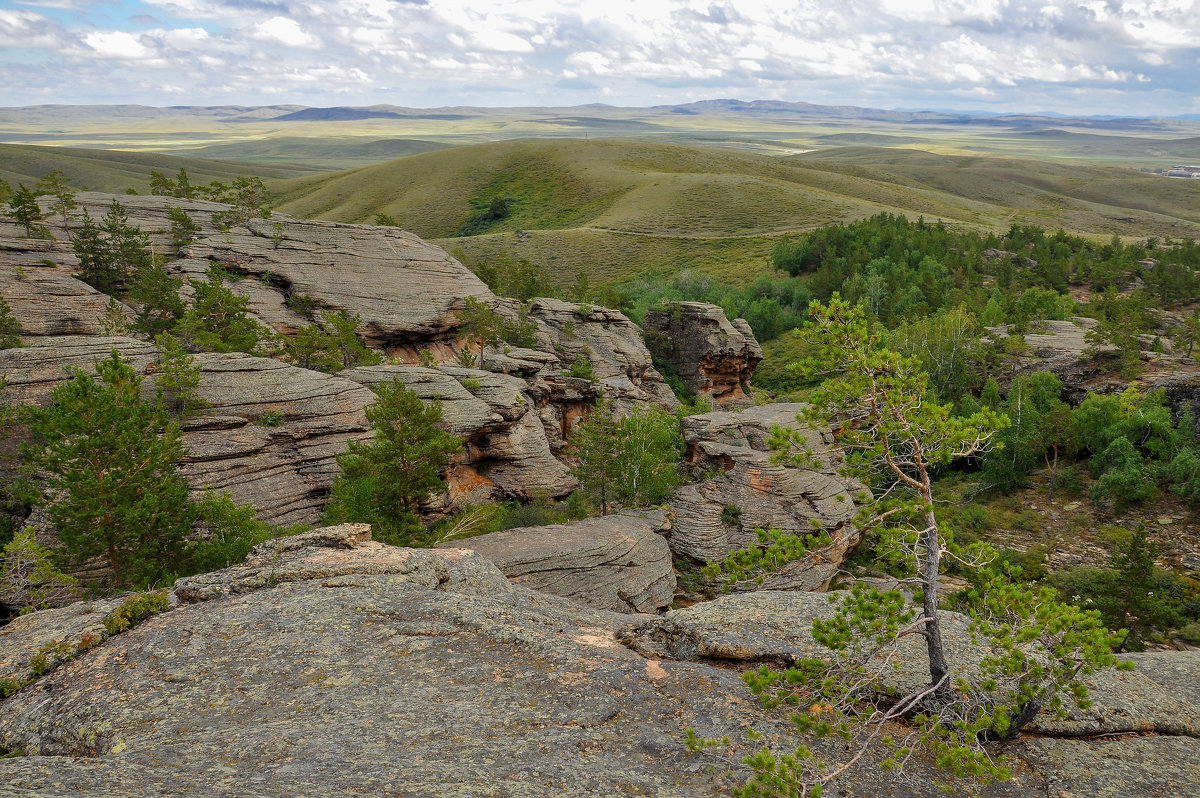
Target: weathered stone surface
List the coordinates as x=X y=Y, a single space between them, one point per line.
x=714 y=357
x=720 y=515
x=404 y=289
x=27 y=636
x=1061 y=347
x=271 y=434
x=33 y=371
x=620 y=361
x=47 y=300
x=506 y=449
x=451 y=681
x=284 y=468
x=1160 y=697
x=616 y=563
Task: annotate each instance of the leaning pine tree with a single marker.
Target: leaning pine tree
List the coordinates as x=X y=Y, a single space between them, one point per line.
x=889 y=434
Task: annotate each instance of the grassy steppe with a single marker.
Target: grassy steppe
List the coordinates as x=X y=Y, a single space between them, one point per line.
x=115 y=170
x=616 y=208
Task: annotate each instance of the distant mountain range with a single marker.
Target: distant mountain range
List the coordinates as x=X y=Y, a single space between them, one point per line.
x=721 y=107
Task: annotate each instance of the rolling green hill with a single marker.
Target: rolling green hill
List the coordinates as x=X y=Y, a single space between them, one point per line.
x=116 y=170
x=316 y=152
x=617 y=208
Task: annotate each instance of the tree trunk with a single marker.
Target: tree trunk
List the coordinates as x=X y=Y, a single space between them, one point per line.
x=930 y=565
x=1053 y=471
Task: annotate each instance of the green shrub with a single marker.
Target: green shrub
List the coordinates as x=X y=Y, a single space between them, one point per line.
x=134 y=610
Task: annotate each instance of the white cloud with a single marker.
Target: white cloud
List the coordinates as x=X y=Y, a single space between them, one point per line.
x=893 y=52
x=285 y=31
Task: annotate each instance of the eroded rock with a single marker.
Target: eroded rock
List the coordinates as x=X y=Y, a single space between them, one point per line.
x=617 y=562
x=713 y=356
x=720 y=515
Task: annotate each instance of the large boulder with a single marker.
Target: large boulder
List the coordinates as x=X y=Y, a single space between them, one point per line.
x=717 y=516
x=713 y=356
x=613 y=344
x=617 y=562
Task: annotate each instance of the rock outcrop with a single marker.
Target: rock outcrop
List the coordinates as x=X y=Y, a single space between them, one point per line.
x=452 y=681
x=618 y=562
x=270 y=434
x=47 y=300
x=506 y=451
x=720 y=515
x=713 y=356
x=613 y=345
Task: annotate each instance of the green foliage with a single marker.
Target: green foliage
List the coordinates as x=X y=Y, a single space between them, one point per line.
x=774 y=550
x=115 y=320
x=271 y=418
x=228 y=532
x=485 y=212
x=1038 y=649
x=109 y=459
x=177 y=376
x=1133 y=595
x=112 y=252
x=183 y=228
x=158 y=294
x=28 y=579
x=62 y=200
x=631 y=461
x=581 y=367
x=219 y=320
x=950 y=348
x=24 y=208
x=180 y=187
x=1040 y=428
x=519 y=279
x=10 y=328
x=134 y=610
x=1123 y=319
x=480 y=320
x=330 y=344
x=384 y=481
x=247 y=195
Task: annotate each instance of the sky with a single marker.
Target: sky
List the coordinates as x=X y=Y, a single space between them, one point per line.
x=1139 y=58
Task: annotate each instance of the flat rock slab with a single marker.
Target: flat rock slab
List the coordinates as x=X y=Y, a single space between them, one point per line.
x=617 y=562
x=329 y=665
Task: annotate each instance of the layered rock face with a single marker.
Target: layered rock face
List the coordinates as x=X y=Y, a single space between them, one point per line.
x=270 y=434
x=713 y=518
x=618 y=562
x=451 y=681
x=507 y=449
x=713 y=356
x=516 y=421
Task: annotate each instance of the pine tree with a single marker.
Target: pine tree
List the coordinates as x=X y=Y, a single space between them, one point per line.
x=10 y=328
x=26 y=211
x=596 y=445
x=97 y=266
x=343 y=331
x=177 y=378
x=385 y=480
x=219 y=321
x=63 y=202
x=127 y=244
x=158 y=294
x=110 y=463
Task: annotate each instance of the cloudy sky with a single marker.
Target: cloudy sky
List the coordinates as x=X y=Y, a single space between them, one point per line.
x=1139 y=57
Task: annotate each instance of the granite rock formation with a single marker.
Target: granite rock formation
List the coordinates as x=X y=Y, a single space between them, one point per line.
x=617 y=562
x=452 y=681
x=714 y=356
x=712 y=518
